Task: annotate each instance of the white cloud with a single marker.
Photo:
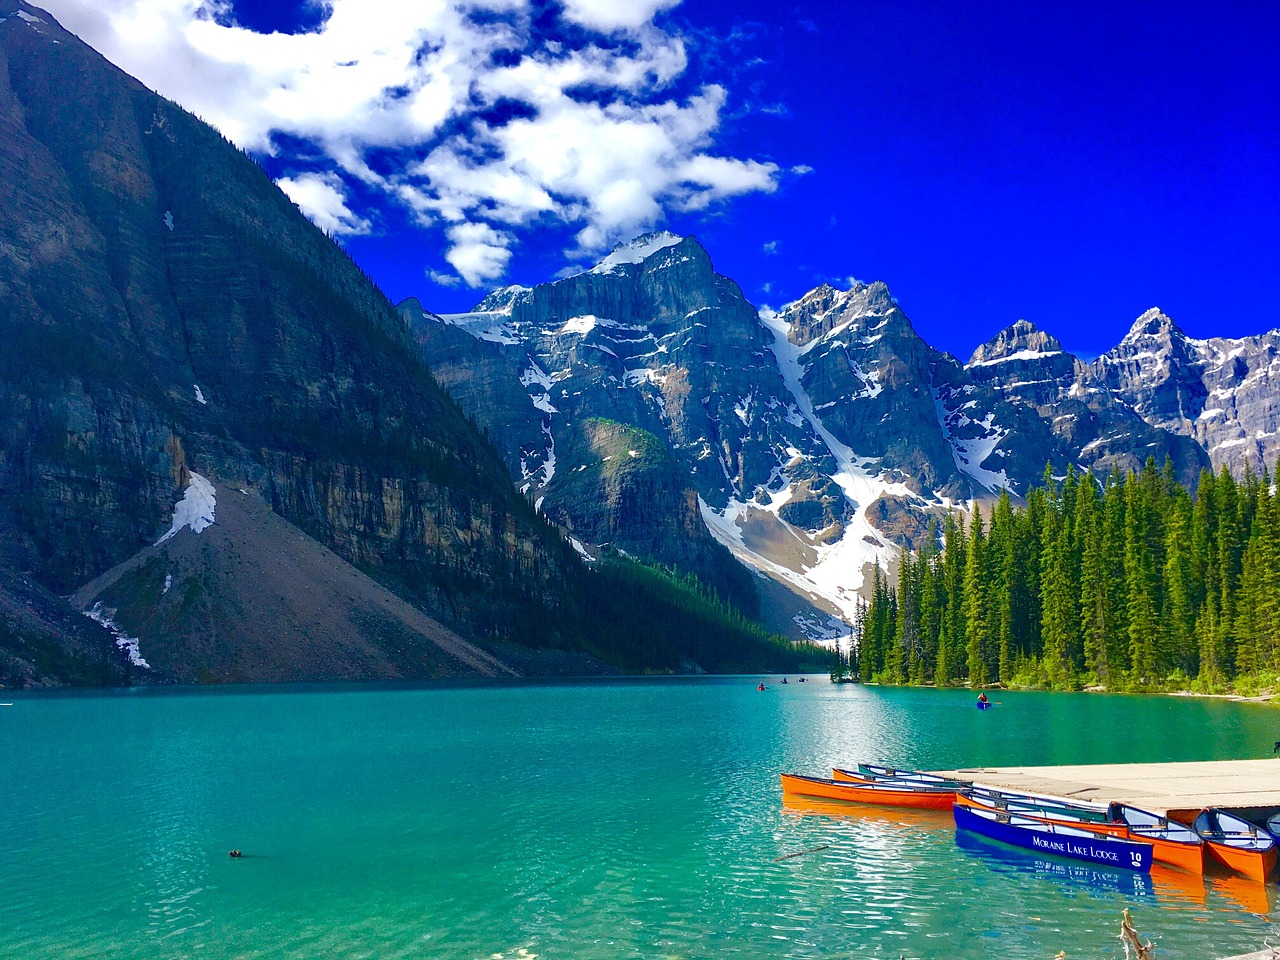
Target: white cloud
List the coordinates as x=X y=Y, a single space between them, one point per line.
x=479 y=253
x=770 y=248
x=322 y=198
x=597 y=140
x=443 y=279
x=608 y=16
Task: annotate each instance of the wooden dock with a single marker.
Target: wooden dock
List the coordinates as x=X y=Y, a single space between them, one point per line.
x=1176 y=790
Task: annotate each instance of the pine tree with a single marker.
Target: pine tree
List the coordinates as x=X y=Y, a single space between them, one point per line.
x=1140 y=583
x=906 y=634
x=1093 y=609
x=977 y=623
x=1178 y=615
x=929 y=572
x=1116 y=637
x=1230 y=554
x=954 y=562
x=1002 y=560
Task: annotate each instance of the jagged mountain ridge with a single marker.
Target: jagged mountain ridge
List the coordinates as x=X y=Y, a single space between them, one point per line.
x=1095 y=428
x=818 y=438
x=1224 y=393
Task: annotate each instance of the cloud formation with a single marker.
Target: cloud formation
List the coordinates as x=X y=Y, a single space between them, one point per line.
x=474 y=115
x=323 y=198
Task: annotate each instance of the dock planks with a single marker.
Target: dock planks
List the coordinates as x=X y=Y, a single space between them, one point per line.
x=1175 y=790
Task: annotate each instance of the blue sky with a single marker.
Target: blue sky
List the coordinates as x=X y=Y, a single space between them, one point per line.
x=1070 y=164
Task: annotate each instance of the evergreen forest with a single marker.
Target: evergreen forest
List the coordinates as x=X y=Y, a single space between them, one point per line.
x=1126 y=582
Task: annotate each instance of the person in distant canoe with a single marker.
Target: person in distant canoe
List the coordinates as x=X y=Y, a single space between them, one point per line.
x=784 y=679
x=982 y=698
x=761 y=687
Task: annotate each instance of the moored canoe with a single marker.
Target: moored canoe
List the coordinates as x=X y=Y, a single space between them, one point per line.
x=1236 y=843
x=1171 y=843
x=887 y=795
x=1053 y=839
x=876 y=773
x=1080 y=819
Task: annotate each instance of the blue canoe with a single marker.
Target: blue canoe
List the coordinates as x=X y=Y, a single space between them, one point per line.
x=984 y=704
x=1053 y=839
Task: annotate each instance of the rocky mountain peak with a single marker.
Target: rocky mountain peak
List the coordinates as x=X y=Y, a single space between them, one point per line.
x=1154 y=323
x=824 y=308
x=1022 y=337
x=502 y=300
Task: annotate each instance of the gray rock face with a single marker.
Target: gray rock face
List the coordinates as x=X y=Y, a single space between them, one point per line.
x=1223 y=393
x=167 y=310
x=1088 y=424
x=651 y=340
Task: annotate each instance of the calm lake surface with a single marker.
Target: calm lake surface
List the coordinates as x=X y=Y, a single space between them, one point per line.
x=614 y=819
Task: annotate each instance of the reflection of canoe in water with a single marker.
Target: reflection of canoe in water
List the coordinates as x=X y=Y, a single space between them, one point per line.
x=1011 y=860
x=874 y=816
x=1237 y=843
x=887 y=795
x=1053 y=839
x=1251 y=896
x=1177 y=885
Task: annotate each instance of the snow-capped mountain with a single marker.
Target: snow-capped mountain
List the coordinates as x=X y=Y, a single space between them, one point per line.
x=1223 y=393
x=645 y=405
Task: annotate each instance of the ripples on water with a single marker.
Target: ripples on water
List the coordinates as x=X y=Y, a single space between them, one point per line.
x=605 y=820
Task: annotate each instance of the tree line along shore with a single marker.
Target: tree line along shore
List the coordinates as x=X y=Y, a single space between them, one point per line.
x=1127 y=582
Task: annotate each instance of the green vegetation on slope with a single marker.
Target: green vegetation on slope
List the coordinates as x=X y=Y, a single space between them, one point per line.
x=645 y=618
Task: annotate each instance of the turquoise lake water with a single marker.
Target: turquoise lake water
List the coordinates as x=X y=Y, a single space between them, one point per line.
x=614 y=819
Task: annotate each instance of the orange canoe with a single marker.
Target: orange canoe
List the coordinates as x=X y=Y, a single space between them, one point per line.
x=1236 y=843
x=885 y=795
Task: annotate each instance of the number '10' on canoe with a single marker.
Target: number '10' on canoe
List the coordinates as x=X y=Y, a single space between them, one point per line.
x=1053 y=839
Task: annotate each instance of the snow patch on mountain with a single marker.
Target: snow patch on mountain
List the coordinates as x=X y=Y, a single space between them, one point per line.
x=1019 y=355
x=581 y=325
x=485 y=325
x=535 y=376
x=636 y=251
x=130 y=645
x=195 y=509
x=970 y=452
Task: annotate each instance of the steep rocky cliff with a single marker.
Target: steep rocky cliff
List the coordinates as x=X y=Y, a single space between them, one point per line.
x=167 y=311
